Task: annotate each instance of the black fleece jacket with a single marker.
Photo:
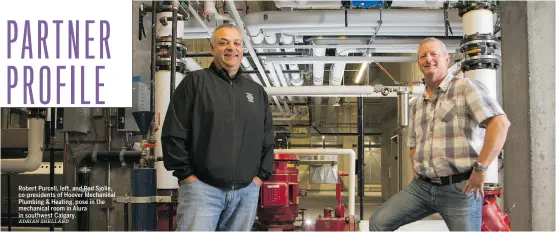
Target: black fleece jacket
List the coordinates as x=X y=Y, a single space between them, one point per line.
x=218 y=129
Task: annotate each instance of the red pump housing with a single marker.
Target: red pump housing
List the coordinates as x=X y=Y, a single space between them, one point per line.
x=494 y=219
x=279 y=201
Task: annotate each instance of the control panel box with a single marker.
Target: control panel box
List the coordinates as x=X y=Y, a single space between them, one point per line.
x=74 y=120
x=141 y=101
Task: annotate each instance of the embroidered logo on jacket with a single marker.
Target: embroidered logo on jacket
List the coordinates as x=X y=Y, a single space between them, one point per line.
x=250 y=97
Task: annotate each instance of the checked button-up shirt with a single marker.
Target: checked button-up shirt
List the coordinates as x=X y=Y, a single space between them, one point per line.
x=447 y=131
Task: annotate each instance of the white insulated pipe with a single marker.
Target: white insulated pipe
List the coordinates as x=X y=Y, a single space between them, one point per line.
x=318 y=78
x=338 y=5
x=356 y=18
x=34 y=157
x=166 y=31
x=318 y=67
x=336 y=59
x=478 y=21
x=331 y=152
x=164 y=178
x=192 y=65
x=324 y=22
x=296 y=78
x=394 y=18
x=482 y=21
x=339 y=91
x=203 y=24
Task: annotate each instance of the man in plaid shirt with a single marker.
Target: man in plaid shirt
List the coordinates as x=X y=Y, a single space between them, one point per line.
x=457 y=128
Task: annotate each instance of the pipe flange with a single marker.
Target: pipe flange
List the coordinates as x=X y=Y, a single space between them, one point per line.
x=122 y=152
x=37 y=113
x=478 y=36
x=477 y=39
x=492 y=187
x=168 y=39
x=465 y=6
x=163 y=49
x=166 y=66
x=480 y=62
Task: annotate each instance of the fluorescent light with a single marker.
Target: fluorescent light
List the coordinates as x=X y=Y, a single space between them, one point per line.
x=361 y=71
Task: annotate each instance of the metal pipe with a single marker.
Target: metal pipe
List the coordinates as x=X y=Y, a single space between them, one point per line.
x=351 y=153
x=153 y=51
x=375 y=48
x=360 y=153
x=481 y=61
x=203 y=24
x=343 y=59
x=126 y=216
x=143 y=214
x=208 y=54
x=403 y=109
x=395 y=20
x=52 y=143
x=35 y=148
x=9 y=183
x=174 y=46
x=342 y=91
x=83 y=216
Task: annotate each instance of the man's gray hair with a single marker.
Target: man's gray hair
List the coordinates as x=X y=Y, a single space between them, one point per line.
x=225 y=25
x=433 y=39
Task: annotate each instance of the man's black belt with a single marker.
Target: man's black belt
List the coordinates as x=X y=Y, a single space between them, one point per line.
x=451 y=179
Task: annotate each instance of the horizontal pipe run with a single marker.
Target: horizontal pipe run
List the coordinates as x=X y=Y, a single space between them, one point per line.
x=339 y=91
x=208 y=54
x=111 y=156
x=399 y=20
x=341 y=59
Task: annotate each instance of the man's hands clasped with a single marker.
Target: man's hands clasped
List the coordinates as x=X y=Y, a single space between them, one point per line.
x=192 y=178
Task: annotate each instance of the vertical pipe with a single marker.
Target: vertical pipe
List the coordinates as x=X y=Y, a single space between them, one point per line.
x=9 y=177
x=126 y=217
x=153 y=51
x=143 y=185
x=479 y=43
x=83 y=216
x=52 y=134
x=360 y=153
x=403 y=109
x=173 y=53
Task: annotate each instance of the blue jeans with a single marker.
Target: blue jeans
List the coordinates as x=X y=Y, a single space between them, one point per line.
x=421 y=198
x=202 y=207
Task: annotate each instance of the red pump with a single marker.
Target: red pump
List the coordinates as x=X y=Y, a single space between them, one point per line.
x=493 y=218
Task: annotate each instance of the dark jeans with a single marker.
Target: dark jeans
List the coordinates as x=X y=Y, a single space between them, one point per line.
x=202 y=207
x=421 y=198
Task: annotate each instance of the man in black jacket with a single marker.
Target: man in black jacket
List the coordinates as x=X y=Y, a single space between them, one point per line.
x=217 y=137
